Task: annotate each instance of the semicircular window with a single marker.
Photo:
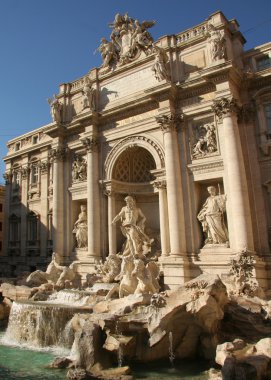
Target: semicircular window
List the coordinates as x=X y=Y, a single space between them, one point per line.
x=134 y=165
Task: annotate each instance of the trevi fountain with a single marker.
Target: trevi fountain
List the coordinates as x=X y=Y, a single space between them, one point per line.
x=134 y=249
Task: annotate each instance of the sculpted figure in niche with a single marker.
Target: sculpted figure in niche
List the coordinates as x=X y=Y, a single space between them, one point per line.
x=89 y=93
x=211 y=217
x=217 y=43
x=81 y=228
x=132 y=227
x=56 y=109
x=160 y=64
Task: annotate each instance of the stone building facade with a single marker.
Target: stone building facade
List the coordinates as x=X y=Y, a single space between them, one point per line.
x=2 y=202
x=162 y=121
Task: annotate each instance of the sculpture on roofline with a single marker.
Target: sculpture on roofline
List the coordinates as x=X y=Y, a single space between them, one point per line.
x=211 y=217
x=56 y=109
x=160 y=64
x=217 y=43
x=89 y=93
x=128 y=39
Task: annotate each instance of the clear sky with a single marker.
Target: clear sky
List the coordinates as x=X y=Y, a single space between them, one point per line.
x=47 y=42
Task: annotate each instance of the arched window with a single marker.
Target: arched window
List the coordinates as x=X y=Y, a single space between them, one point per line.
x=134 y=165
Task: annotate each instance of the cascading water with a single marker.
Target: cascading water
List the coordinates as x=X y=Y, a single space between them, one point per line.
x=40 y=324
x=170 y=348
x=70 y=297
x=120 y=350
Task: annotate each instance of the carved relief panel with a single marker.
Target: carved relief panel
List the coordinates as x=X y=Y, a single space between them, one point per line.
x=203 y=139
x=79 y=168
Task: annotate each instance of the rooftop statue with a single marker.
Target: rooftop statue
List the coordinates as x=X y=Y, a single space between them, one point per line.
x=128 y=39
x=56 y=109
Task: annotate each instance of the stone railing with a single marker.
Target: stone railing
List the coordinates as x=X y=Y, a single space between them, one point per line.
x=190 y=34
x=77 y=84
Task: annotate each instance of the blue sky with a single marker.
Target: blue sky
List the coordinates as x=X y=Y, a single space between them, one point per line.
x=47 y=42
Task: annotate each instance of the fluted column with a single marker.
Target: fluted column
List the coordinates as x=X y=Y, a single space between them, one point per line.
x=8 y=182
x=163 y=216
x=93 y=196
x=168 y=124
x=25 y=172
x=238 y=218
x=58 y=156
x=112 y=242
x=44 y=182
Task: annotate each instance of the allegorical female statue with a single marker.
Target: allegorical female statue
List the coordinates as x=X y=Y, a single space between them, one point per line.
x=81 y=228
x=211 y=217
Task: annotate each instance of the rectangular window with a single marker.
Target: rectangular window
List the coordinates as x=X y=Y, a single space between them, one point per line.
x=1 y=207
x=17 y=146
x=35 y=139
x=34 y=175
x=0 y=245
x=1 y=226
x=267 y=111
x=32 y=229
x=14 y=231
x=264 y=62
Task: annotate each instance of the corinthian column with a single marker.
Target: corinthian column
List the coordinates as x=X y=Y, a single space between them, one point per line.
x=111 y=214
x=93 y=195
x=168 y=125
x=238 y=217
x=57 y=155
x=163 y=216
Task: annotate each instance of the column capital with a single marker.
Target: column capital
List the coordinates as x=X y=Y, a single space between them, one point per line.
x=91 y=144
x=25 y=170
x=169 y=122
x=44 y=166
x=160 y=184
x=7 y=177
x=225 y=106
x=247 y=113
x=58 y=154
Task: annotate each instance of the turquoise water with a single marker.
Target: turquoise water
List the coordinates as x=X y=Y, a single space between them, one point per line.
x=17 y=364
x=21 y=363
x=186 y=370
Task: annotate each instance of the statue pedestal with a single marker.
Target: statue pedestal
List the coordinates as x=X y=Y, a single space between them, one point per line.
x=175 y=270
x=214 y=259
x=85 y=263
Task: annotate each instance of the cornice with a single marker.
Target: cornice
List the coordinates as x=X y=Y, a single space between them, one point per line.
x=32 y=148
x=206 y=167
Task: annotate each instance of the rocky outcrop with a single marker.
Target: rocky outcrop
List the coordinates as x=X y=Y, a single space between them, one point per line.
x=240 y=360
x=187 y=319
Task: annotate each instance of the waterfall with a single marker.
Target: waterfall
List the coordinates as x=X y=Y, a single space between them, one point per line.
x=40 y=324
x=170 y=349
x=70 y=297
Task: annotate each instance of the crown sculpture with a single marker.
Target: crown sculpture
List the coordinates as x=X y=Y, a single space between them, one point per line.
x=128 y=39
